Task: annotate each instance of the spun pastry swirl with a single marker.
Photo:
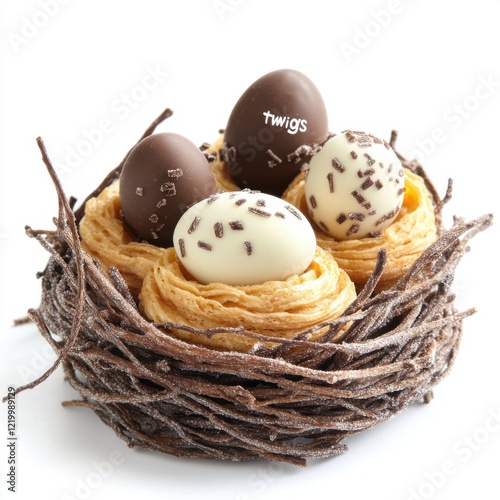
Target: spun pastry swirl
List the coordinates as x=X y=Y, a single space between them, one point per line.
x=404 y=240
x=273 y=308
x=168 y=294
x=104 y=236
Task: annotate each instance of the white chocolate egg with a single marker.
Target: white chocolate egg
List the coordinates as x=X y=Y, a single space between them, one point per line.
x=355 y=186
x=244 y=238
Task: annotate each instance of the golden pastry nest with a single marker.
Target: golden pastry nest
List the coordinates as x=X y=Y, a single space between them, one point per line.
x=168 y=294
x=291 y=397
x=404 y=240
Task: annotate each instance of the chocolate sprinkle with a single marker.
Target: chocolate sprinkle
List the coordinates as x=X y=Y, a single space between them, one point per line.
x=168 y=188
x=248 y=247
x=182 y=247
x=329 y=178
x=218 y=230
x=353 y=230
x=258 y=211
x=304 y=151
x=212 y=198
x=177 y=172
x=387 y=216
x=275 y=157
x=341 y=219
x=357 y=216
x=312 y=201
x=350 y=137
x=338 y=166
x=236 y=225
x=361 y=200
x=240 y=201
x=359 y=197
x=364 y=142
x=367 y=183
x=194 y=225
x=370 y=161
x=354 y=154
x=323 y=226
x=293 y=211
x=205 y=246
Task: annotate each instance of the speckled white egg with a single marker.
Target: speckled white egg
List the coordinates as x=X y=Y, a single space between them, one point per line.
x=244 y=238
x=355 y=186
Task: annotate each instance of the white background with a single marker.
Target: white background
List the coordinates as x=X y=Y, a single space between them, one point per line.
x=429 y=69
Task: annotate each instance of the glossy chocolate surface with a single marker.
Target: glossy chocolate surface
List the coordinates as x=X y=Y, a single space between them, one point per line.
x=278 y=114
x=162 y=177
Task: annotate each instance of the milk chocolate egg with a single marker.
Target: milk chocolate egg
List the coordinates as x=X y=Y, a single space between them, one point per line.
x=354 y=186
x=244 y=238
x=162 y=177
x=276 y=115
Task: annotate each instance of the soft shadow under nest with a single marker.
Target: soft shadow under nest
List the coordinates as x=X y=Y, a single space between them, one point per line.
x=295 y=401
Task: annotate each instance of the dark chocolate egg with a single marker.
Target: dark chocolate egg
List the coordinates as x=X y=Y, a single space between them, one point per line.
x=162 y=177
x=276 y=115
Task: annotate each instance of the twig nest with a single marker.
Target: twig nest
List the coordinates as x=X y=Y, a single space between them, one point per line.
x=289 y=397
